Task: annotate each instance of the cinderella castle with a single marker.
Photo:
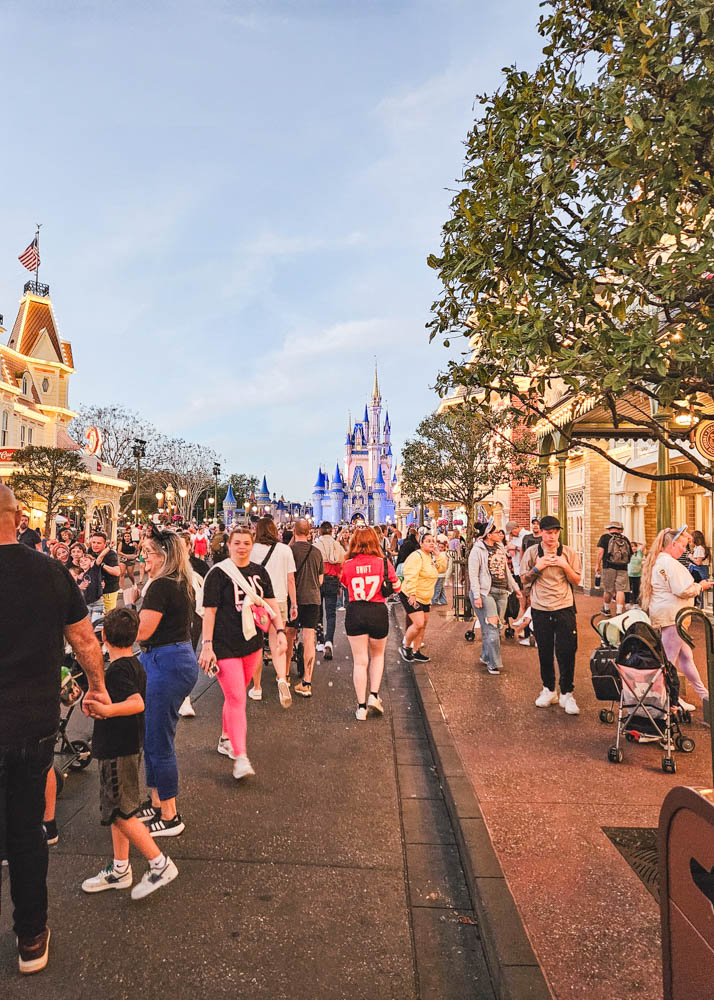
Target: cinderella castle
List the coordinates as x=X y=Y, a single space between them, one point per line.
x=364 y=490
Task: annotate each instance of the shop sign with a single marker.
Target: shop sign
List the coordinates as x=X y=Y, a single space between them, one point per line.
x=6 y=454
x=704 y=439
x=94 y=440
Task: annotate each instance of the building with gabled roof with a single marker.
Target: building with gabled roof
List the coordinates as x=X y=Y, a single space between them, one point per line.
x=36 y=365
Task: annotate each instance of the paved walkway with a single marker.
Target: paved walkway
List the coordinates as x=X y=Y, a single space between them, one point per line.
x=333 y=873
x=546 y=791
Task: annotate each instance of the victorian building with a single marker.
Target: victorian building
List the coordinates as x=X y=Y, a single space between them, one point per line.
x=36 y=365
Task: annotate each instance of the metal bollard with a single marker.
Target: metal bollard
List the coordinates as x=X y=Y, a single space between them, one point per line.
x=709 y=634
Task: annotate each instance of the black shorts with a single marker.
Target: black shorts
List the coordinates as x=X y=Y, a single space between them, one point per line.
x=308 y=616
x=119 y=791
x=410 y=610
x=367 y=618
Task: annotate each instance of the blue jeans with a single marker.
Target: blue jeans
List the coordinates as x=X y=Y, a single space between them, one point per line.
x=493 y=605
x=171 y=673
x=23 y=771
x=329 y=590
x=439 y=593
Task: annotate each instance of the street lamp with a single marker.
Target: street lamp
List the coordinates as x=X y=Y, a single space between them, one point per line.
x=247 y=509
x=139 y=452
x=159 y=496
x=216 y=474
x=183 y=494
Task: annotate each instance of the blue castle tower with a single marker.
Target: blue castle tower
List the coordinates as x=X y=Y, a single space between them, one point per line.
x=318 y=496
x=229 y=507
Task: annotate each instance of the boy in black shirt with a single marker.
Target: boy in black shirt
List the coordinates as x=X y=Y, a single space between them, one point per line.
x=116 y=744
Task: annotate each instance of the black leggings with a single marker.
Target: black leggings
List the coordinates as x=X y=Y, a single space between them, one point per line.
x=556 y=633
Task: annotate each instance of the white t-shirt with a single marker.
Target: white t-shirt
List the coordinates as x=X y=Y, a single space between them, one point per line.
x=281 y=563
x=699 y=553
x=517 y=542
x=673 y=588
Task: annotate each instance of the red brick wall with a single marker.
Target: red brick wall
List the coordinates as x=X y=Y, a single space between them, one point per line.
x=520 y=505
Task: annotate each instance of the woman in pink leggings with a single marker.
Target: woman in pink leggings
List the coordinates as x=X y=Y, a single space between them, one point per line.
x=231 y=642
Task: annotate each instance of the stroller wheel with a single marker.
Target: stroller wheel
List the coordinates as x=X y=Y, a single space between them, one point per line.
x=509 y=633
x=607 y=716
x=629 y=737
x=685 y=743
x=470 y=635
x=85 y=755
x=615 y=755
x=668 y=765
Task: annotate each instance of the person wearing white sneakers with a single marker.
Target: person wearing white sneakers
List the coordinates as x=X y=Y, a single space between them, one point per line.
x=237 y=597
x=549 y=572
x=367 y=574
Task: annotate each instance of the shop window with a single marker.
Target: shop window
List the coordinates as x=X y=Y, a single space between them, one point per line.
x=29 y=435
x=3 y=429
x=22 y=436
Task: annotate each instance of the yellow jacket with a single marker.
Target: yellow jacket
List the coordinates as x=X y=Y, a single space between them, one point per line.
x=421 y=573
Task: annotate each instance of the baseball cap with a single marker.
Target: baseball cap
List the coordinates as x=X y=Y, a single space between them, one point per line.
x=549 y=522
x=616 y=524
x=679 y=532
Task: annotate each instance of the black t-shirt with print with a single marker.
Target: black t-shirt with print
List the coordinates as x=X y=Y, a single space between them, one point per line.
x=603 y=543
x=127 y=548
x=221 y=593
x=111 y=583
x=38 y=598
x=497 y=566
x=121 y=735
x=170 y=598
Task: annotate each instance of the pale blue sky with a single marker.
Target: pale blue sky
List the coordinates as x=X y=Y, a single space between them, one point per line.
x=237 y=202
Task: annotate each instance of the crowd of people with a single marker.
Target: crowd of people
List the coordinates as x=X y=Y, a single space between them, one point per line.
x=228 y=602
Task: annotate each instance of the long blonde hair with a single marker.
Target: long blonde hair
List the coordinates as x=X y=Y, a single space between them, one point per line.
x=663 y=539
x=176 y=564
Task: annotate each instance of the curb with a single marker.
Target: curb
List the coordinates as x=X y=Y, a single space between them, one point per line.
x=512 y=963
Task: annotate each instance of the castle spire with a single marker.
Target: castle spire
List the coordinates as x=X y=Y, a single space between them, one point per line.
x=375 y=386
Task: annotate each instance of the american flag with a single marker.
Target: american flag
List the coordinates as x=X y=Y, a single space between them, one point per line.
x=30 y=258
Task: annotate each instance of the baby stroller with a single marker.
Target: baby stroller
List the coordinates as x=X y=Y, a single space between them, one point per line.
x=649 y=697
x=603 y=670
x=70 y=755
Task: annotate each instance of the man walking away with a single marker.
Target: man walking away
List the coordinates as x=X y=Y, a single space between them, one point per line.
x=40 y=607
x=614 y=552
x=333 y=556
x=309 y=576
x=550 y=571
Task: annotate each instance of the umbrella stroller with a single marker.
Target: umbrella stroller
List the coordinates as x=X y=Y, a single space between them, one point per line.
x=649 y=698
x=603 y=670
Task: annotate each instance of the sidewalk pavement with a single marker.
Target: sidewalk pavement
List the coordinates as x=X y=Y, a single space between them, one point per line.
x=332 y=873
x=546 y=791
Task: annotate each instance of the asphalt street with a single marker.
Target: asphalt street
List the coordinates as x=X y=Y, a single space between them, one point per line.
x=332 y=873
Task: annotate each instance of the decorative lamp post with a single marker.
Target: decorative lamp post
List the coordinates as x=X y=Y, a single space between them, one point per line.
x=216 y=474
x=247 y=510
x=183 y=494
x=139 y=452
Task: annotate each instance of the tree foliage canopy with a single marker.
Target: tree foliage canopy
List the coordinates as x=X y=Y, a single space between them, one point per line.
x=55 y=475
x=456 y=458
x=580 y=245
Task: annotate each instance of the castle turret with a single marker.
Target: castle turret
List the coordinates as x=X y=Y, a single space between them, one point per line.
x=380 y=498
x=263 y=494
x=318 y=496
x=230 y=505
x=338 y=495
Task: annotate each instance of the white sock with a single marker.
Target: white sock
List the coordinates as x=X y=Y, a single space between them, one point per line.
x=157 y=863
x=120 y=867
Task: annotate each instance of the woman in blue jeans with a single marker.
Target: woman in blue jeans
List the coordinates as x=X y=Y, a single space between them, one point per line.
x=491 y=583
x=171 y=673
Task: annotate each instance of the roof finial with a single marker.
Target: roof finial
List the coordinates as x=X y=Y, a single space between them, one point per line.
x=375 y=387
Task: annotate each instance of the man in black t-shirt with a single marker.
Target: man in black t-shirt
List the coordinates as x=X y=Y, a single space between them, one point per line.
x=309 y=577
x=108 y=561
x=27 y=535
x=614 y=552
x=40 y=607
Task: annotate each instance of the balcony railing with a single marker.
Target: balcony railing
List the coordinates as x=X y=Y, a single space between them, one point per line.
x=37 y=288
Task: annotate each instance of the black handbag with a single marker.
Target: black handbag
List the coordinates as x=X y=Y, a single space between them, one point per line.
x=387 y=588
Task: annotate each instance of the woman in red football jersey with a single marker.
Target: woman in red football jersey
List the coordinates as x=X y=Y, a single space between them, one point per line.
x=366 y=621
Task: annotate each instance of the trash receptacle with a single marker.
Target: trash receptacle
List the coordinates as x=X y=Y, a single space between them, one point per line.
x=686 y=859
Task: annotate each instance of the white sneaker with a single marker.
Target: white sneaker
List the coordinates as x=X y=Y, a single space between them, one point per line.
x=375 y=702
x=286 y=698
x=153 y=880
x=568 y=702
x=546 y=698
x=108 y=879
x=224 y=747
x=187 y=711
x=361 y=714
x=255 y=694
x=242 y=768
x=686 y=706
x=524 y=642
x=523 y=620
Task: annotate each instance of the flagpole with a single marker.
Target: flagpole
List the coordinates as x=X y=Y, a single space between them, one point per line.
x=37 y=266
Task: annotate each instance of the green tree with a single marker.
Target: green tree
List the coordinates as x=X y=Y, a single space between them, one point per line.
x=456 y=458
x=579 y=249
x=53 y=475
